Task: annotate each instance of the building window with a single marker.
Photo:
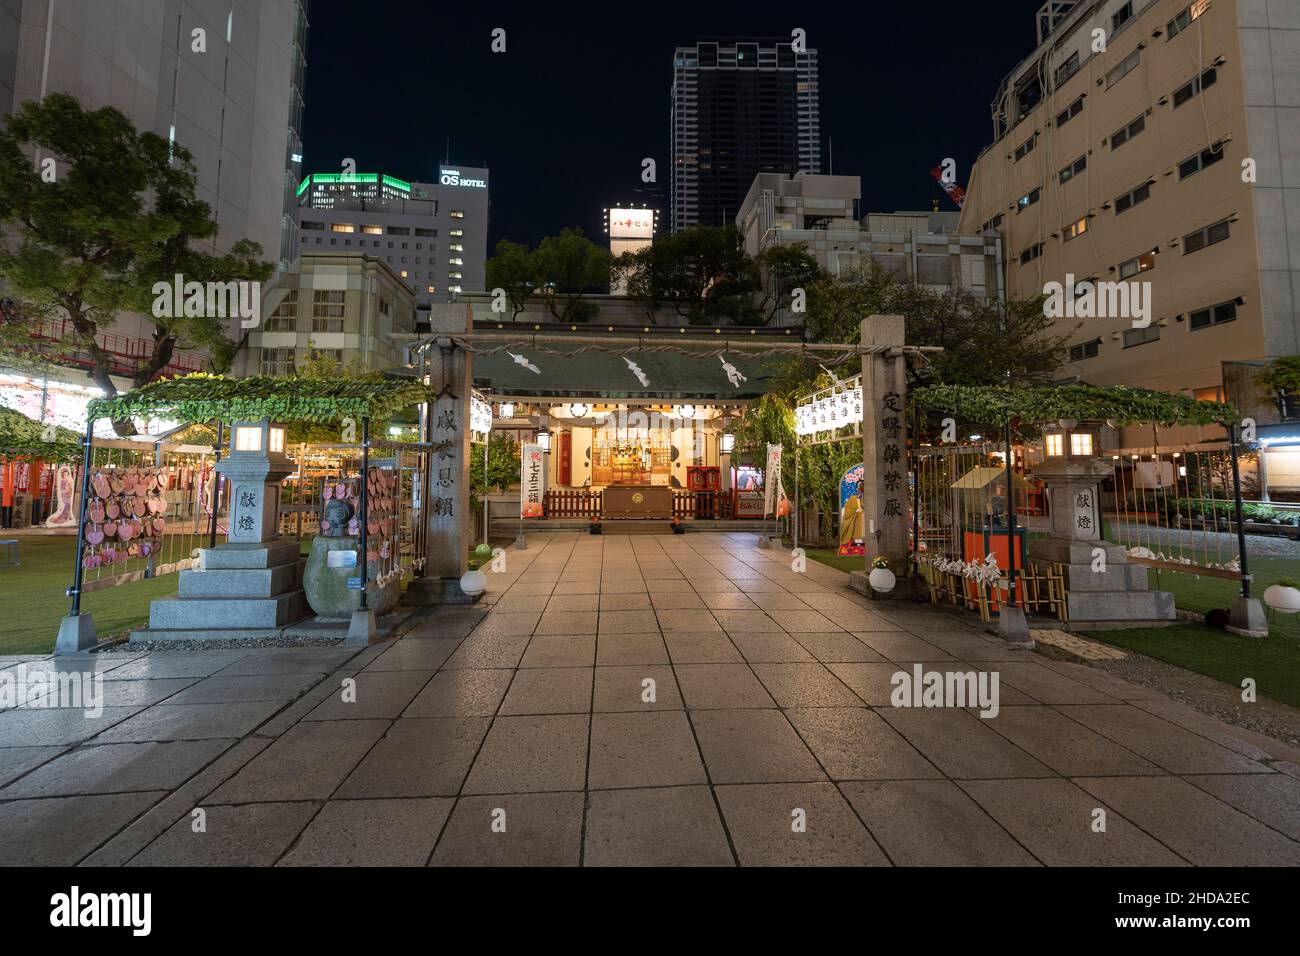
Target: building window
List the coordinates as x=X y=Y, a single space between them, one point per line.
x=1121 y=16
x=1137 y=264
x=342 y=227
x=1028 y=199
x=1135 y=337
x=1069 y=113
x=327 y=310
x=285 y=316
x=456 y=233
x=1212 y=394
x=453 y=288
x=1196 y=241
x=427 y=233
x=1030 y=254
x=403 y=274
x=1076 y=229
x=1197 y=84
x=1084 y=286
x=276 y=362
x=1085 y=350
x=1195 y=163
x=455 y=247
x=313 y=225
x=457 y=214
x=993 y=223
x=456 y=262
x=373 y=230
x=1181 y=22
x=1132 y=198
x=1126 y=133
x=1068 y=68
x=431 y=289
x=398 y=231
x=1216 y=315
x=1074 y=169
x=455 y=275
x=1126 y=66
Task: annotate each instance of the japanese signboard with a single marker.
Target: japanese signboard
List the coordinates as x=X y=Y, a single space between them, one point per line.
x=533 y=484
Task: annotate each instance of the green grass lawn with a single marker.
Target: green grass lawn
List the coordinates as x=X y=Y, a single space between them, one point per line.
x=34 y=599
x=832 y=559
x=1273 y=662
x=1204 y=594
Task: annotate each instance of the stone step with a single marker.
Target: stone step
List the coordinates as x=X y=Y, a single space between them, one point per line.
x=145 y=635
x=209 y=613
x=1121 y=606
x=233 y=583
x=239 y=557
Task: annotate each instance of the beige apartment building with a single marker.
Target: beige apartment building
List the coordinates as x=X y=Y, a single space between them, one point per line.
x=345 y=306
x=1155 y=141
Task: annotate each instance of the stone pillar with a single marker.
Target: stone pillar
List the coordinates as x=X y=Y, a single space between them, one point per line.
x=448 y=523
x=885 y=494
x=1102 y=587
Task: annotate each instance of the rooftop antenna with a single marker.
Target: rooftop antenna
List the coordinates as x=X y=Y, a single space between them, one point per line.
x=447 y=161
x=832 y=147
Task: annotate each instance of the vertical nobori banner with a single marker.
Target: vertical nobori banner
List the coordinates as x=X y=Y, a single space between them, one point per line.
x=532 y=488
x=772 y=491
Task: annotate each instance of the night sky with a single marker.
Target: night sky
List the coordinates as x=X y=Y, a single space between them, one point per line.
x=563 y=117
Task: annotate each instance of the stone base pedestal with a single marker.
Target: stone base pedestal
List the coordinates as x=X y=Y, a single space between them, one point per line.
x=1013 y=627
x=1120 y=594
x=75 y=634
x=1246 y=618
x=425 y=592
x=362 y=630
x=238 y=591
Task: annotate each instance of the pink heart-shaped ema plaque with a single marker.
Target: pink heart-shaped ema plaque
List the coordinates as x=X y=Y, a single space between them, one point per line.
x=95 y=535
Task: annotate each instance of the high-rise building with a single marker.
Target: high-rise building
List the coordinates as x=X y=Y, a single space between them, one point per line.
x=740 y=107
x=221 y=77
x=1154 y=144
x=433 y=235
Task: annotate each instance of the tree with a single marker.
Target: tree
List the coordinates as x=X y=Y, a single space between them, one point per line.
x=566 y=266
x=502 y=467
x=702 y=272
x=120 y=215
x=785 y=269
x=513 y=269
x=982 y=340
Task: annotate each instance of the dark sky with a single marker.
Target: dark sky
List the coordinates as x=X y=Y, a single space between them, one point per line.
x=564 y=116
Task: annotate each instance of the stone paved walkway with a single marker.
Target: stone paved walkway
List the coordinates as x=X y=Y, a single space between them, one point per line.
x=636 y=700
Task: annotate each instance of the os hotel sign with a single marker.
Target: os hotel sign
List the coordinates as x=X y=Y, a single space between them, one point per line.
x=452 y=177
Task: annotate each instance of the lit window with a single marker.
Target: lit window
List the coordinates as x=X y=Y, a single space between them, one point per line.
x=1180 y=23
x=1055 y=445
x=248 y=438
x=1080 y=444
x=1076 y=229
x=342 y=227
x=403 y=273
x=373 y=230
x=456 y=262
x=1142 y=263
x=457 y=214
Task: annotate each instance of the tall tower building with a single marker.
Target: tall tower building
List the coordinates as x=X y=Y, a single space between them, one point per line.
x=740 y=107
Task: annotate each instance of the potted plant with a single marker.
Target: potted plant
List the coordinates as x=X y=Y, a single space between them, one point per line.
x=1283 y=596
x=881 y=578
x=473 y=581
x=593 y=526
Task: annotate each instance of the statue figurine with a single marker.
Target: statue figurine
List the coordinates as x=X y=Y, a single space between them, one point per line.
x=337 y=515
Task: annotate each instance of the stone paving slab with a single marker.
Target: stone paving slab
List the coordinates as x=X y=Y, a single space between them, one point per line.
x=638 y=701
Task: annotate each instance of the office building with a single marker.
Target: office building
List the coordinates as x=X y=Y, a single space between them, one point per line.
x=339 y=305
x=433 y=235
x=1154 y=143
x=739 y=107
x=821 y=212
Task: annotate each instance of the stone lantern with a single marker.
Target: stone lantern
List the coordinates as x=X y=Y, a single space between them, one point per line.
x=1102 y=587
x=252 y=584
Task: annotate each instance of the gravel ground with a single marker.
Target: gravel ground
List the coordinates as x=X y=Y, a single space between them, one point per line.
x=1205 y=694
x=1198 y=542
x=233 y=645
